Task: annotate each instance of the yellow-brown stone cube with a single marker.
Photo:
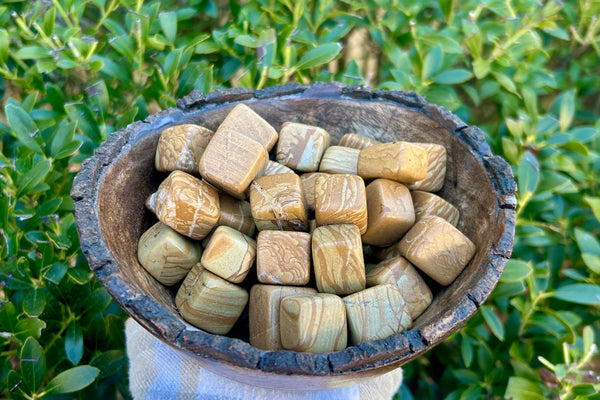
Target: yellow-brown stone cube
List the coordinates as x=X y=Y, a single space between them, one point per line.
x=357 y=141
x=436 y=169
x=399 y=161
x=277 y=203
x=167 y=255
x=340 y=160
x=376 y=313
x=187 y=204
x=231 y=161
x=209 y=302
x=283 y=257
x=180 y=148
x=390 y=212
x=427 y=204
x=246 y=121
x=229 y=254
x=341 y=199
x=308 y=188
x=314 y=324
x=301 y=146
x=338 y=259
x=264 y=304
x=274 y=168
x=401 y=273
x=437 y=248
x=236 y=214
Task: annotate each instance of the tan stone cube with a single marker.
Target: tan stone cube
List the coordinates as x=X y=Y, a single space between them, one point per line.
x=236 y=214
x=357 y=141
x=277 y=203
x=283 y=257
x=340 y=160
x=401 y=273
x=376 y=313
x=180 y=148
x=209 y=302
x=231 y=161
x=264 y=318
x=436 y=169
x=437 y=248
x=167 y=255
x=246 y=121
x=399 y=161
x=301 y=146
x=427 y=204
x=187 y=204
x=274 y=168
x=308 y=188
x=338 y=259
x=390 y=212
x=314 y=324
x=229 y=254
x=341 y=199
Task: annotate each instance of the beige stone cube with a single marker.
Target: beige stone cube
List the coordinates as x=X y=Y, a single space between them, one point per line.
x=301 y=146
x=340 y=160
x=427 y=204
x=246 y=121
x=229 y=254
x=308 y=188
x=180 y=148
x=236 y=214
x=436 y=169
x=338 y=259
x=274 y=168
x=314 y=323
x=399 y=161
x=341 y=199
x=283 y=257
x=357 y=141
x=187 y=204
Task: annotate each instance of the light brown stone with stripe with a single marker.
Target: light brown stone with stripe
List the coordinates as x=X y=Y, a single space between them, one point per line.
x=427 y=204
x=236 y=214
x=229 y=254
x=180 y=147
x=308 y=188
x=274 y=168
x=246 y=121
x=436 y=169
x=283 y=257
x=341 y=199
x=403 y=162
x=340 y=160
x=357 y=141
x=301 y=146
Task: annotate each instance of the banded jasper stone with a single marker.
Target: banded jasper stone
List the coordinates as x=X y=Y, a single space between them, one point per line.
x=399 y=161
x=246 y=121
x=401 y=273
x=338 y=259
x=340 y=160
x=277 y=203
x=231 y=161
x=265 y=301
x=236 y=214
x=187 y=204
x=283 y=257
x=167 y=255
x=229 y=254
x=301 y=146
x=314 y=323
x=436 y=169
x=274 y=168
x=341 y=199
x=437 y=248
x=308 y=188
x=180 y=148
x=427 y=204
x=390 y=212
x=376 y=313
x=357 y=141
x=209 y=302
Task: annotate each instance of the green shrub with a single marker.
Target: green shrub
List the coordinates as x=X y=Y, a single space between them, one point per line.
x=528 y=73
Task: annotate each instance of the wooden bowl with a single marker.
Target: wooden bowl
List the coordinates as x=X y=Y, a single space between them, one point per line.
x=112 y=186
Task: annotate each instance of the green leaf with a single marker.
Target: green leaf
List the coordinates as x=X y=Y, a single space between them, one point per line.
x=580 y=293
x=110 y=362
x=32 y=178
x=74 y=343
x=594 y=203
x=481 y=68
x=56 y=272
x=515 y=271
x=81 y=113
x=453 y=76
x=32 y=53
x=523 y=389
x=23 y=127
x=432 y=62
x=33 y=364
x=35 y=302
x=493 y=322
x=72 y=380
x=506 y=82
x=587 y=242
x=319 y=55
x=528 y=174
x=4 y=46
x=168 y=24
x=29 y=327
x=246 y=41
x=584 y=389
x=588 y=339
x=266 y=47
x=567 y=110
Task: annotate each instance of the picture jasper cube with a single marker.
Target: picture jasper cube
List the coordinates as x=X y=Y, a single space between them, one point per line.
x=283 y=257
x=274 y=168
x=246 y=121
x=315 y=324
x=376 y=313
x=338 y=259
x=264 y=305
x=357 y=141
x=209 y=302
x=229 y=254
x=437 y=248
x=231 y=161
x=236 y=214
x=427 y=204
x=399 y=161
x=167 y=255
x=390 y=212
x=436 y=169
x=340 y=160
x=180 y=148
x=278 y=204
x=187 y=204
x=401 y=273
x=341 y=199
x=301 y=146
x=308 y=188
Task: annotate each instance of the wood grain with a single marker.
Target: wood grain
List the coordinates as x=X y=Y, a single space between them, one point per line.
x=283 y=257
x=246 y=121
x=427 y=204
x=340 y=160
x=301 y=146
x=436 y=169
x=399 y=161
x=180 y=147
x=341 y=199
x=229 y=254
x=357 y=141
x=236 y=214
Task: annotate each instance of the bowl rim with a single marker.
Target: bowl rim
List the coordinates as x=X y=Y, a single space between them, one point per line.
x=391 y=352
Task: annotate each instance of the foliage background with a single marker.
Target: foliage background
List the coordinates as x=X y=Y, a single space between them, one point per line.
x=527 y=72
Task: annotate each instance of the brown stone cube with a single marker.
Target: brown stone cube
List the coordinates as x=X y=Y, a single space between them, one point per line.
x=436 y=169
x=399 y=161
x=357 y=141
x=427 y=204
x=229 y=254
x=340 y=160
x=236 y=214
x=341 y=199
x=246 y=121
x=180 y=148
x=301 y=146
x=283 y=257
x=308 y=188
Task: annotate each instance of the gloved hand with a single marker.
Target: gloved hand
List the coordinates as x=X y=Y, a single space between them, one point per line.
x=157 y=371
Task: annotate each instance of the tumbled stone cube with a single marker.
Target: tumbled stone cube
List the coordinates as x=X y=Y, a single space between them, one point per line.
x=341 y=199
x=236 y=214
x=283 y=257
x=246 y=121
x=357 y=141
x=229 y=254
x=436 y=169
x=427 y=204
x=403 y=162
x=180 y=148
x=301 y=146
x=340 y=160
